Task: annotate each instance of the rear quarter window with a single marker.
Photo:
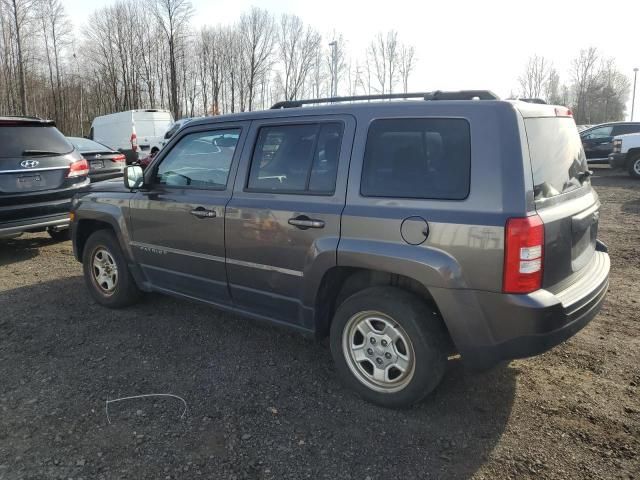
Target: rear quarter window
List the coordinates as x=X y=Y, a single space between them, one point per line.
x=427 y=158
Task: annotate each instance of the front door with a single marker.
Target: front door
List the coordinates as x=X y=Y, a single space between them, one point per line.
x=178 y=219
x=284 y=216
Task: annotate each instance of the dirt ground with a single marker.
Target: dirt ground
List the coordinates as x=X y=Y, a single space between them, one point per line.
x=265 y=404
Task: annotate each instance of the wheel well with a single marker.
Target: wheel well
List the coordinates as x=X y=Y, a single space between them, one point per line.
x=84 y=229
x=633 y=153
x=339 y=283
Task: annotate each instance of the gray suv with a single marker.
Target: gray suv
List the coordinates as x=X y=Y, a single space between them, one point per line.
x=406 y=231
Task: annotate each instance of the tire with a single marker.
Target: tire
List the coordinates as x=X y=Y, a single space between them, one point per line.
x=633 y=166
x=101 y=254
x=59 y=235
x=420 y=346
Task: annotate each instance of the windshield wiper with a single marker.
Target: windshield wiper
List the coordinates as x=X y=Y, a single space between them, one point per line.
x=26 y=153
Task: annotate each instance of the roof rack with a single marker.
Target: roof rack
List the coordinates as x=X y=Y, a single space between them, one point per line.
x=533 y=100
x=436 y=95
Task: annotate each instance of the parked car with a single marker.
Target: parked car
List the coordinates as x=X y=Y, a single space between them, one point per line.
x=598 y=140
x=136 y=133
x=39 y=173
x=583 y=127
x=405 y=231
x=626 y=154
x=104 y=162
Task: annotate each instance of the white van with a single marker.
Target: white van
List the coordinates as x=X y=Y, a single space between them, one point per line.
x=136 y=133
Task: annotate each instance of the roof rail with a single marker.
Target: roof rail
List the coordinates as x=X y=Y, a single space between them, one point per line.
x=437 y=95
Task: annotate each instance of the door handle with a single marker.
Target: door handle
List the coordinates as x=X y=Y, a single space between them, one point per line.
x=303 y=222
x=201 y=212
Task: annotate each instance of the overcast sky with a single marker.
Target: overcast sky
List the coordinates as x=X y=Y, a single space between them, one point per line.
x=459 y=43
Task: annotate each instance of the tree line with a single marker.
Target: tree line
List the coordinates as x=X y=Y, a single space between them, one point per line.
x=147 y=54
x=596 y=90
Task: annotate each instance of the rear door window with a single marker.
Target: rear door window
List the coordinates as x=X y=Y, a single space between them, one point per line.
x=557 y=157
x=27 y=140
x=624 y=129
x=426 y=158
x=296 y=158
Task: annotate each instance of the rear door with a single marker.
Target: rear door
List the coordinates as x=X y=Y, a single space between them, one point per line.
x=284 y=217
x=597 y=142
x=178 y=221
x=564 y=198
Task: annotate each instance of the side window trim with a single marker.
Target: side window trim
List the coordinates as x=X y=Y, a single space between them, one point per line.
x=199 y=129
x=319 y=123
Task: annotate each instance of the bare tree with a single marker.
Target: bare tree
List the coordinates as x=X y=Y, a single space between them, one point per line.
x=296 y=45
x=257 y=39
x=19 y=15
x=173 y=18
x=383 y=55
x=406 y=66
x=535 y=77
x=584 y=75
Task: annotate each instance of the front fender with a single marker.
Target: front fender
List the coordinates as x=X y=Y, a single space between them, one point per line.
x=112 y=210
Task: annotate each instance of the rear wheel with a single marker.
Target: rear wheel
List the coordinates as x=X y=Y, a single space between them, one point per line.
x=388 y=346
x=634 y=166
x=106 y=272
x=59 y=235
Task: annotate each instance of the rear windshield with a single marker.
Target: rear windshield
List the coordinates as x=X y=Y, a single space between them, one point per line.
x=557 y=157
x=28 y=140
x=86 y=145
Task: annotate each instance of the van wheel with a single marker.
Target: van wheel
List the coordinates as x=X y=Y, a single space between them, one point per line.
x=106 y=273
x=388 y=346
x=634 y=166
x=59 y=235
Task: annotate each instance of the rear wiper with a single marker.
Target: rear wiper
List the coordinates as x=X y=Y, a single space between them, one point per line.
x=26 y=153
x=582 y=176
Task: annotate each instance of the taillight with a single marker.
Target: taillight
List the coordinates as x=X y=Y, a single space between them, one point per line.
x=523 y=254
x=563 y=112
x=118 y=158
x=79 y=168
x=617 y=145
x=134 y=141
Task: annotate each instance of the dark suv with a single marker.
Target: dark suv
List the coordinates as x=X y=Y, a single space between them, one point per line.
x=598 y=139
x=40 y=171
x=407 y=231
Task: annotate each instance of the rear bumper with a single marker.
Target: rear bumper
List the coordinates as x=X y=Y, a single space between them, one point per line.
x=617 y=160
x=34 y=224
x=504 y=327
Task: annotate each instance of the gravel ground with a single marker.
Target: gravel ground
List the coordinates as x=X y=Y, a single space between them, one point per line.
x=265 y=404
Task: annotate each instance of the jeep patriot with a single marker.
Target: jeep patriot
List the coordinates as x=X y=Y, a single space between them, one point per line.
x=405 y=230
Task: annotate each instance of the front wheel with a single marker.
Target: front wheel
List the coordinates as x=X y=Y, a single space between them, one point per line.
x=106 y=272
x=389 y=346
x=634 y=167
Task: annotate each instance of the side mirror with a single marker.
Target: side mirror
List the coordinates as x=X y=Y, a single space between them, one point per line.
x=133 y=176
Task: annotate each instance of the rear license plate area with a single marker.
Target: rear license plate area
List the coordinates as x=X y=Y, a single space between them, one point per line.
x=28 y=181
x=584 y=232
x=97 y=164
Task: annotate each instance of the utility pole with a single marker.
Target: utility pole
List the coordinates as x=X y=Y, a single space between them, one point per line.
x=633 y=98
x=334 y=65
